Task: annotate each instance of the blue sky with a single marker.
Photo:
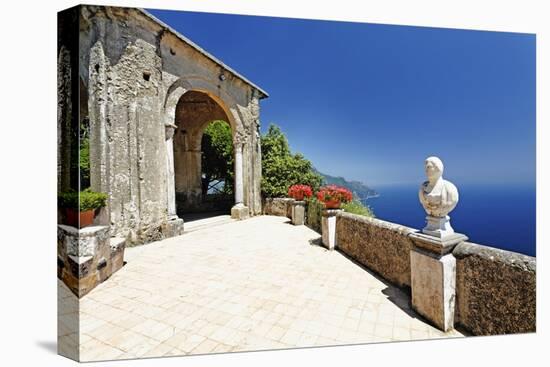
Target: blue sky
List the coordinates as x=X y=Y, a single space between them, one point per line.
x=370 y=102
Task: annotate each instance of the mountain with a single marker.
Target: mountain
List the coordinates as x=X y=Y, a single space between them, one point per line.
x=359 y=189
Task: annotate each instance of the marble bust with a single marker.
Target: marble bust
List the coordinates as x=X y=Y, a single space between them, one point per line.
x=438 y=197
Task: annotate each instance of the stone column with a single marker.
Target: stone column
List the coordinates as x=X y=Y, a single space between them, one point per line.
x=239 y=210
x=174 y=225
x=328 y=227
x=239 y=189
x=170 y=181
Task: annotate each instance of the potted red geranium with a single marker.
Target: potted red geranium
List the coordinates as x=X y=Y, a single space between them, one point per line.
x=333 y=196
x=299 y=192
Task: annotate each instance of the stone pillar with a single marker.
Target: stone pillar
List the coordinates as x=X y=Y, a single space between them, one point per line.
x=170 y=181
x=298 y=212
x=239 y=210
x=433 y=277
x=328 y=227
x=174 y=225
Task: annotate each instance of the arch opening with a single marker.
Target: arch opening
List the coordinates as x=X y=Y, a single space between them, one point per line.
x=203 y=156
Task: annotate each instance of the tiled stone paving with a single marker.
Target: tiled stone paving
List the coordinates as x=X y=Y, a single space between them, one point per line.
x=256 y=284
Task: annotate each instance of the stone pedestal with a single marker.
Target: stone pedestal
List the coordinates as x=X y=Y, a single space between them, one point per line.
x=88 y=256
x=438 y=226
x=240 y=211
x=298 y=213
x=328 y=227
x=433 y=277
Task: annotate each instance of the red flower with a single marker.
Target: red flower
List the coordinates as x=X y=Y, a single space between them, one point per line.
x=334 y=194
x=298 y=192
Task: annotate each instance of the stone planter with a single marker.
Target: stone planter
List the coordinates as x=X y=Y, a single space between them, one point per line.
x=298 y=213
x=328 y=227
x=332 y=204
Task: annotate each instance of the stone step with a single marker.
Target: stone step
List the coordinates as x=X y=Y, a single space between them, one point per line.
x=200 y=224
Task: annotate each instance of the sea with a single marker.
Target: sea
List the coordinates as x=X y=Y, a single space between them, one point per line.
x=501 y=216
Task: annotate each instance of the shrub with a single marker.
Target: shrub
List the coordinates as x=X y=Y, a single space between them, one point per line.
x=84 y=200
x=299 y=192
x=356 y=207
x=313 y=214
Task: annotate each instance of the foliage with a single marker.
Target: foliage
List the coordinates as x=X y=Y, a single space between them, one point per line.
x=313 y=214
x=84 y=163
x=84 y=200
x=334 y=193
x=217 y=157
x=282 y=169
x=84 y=153
x=299 y=192
x=356 y=207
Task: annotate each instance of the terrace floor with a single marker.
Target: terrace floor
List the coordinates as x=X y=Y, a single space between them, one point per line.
x=256 y=284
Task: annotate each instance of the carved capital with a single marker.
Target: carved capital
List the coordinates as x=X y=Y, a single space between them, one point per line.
x=169 y=130
x=239 y=139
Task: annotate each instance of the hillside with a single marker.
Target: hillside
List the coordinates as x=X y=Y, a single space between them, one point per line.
x=359 y=189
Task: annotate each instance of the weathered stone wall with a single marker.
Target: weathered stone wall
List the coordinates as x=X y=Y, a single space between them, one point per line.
x=379 y=245
x=67 y=100
x=278 y=206
x=134 y=70
x=495 y=289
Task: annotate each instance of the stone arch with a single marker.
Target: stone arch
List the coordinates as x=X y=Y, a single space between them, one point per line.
x=194 y=111
x=196 y=83
x=231 y=114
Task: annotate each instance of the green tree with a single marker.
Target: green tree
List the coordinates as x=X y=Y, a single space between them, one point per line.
x=217 y=156
x=281 y=168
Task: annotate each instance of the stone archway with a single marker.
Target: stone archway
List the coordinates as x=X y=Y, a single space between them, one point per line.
x=187 y=113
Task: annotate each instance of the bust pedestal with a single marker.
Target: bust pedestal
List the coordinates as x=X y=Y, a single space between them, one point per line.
x=433 y=277
x=438 y=226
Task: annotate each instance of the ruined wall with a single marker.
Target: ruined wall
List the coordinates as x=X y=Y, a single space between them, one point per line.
x=495 y=290
x=134 y=70
x=379 y=245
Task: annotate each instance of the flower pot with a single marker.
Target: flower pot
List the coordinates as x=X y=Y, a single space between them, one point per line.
x=332 y=204
x=78 y=219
